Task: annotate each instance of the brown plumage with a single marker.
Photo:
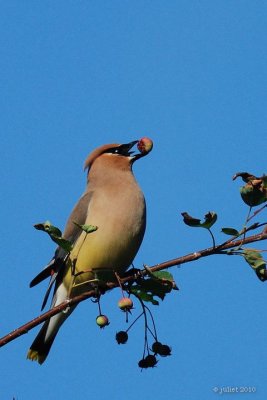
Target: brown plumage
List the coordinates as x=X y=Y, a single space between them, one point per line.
x=115 y=204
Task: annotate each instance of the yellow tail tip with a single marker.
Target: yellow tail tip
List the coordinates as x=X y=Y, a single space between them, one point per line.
x=33 y=355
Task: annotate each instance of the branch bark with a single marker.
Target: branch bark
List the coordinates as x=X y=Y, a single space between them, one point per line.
x=220 y=249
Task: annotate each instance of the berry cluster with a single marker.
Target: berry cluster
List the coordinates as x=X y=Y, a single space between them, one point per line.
x=162 y=350
x=148 y=359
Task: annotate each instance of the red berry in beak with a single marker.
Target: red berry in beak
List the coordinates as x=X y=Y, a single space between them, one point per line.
x=145 y=145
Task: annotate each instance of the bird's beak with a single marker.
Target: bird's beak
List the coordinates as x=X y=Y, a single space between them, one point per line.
x=135 y=154
x=144 y=146
x=125 y=148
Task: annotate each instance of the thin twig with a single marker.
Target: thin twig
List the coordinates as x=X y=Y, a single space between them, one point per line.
x=219 y=249
x=257 y=212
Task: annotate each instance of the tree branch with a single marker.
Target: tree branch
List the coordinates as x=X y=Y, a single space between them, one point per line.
x=220 y=249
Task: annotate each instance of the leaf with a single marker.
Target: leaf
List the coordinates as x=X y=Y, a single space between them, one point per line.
x=86 y=228
x=156 y=284
x=254 y=192
x=63 y=243
x=55 y=234
x=234 y=232
x=157 y=287
x=191 y=221
x=209 y=219
x=246 y=176
x=48 y=228
x=164 y=276
x=252 y=195
x=230 y=231
x=144 y=295
x=53 y=230
x=254 y=258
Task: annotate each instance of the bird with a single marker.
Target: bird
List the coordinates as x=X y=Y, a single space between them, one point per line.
x=114 y=203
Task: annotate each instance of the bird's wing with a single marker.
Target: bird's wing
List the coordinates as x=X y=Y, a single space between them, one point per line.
x=45 y=273
x=54 y=277
x=71 y=233
x=78 y=216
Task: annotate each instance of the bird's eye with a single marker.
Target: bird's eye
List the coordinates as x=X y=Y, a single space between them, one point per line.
x=122 y=150
x=114 y=150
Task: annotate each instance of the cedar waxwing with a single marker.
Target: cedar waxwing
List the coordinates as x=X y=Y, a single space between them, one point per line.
x=114 y=203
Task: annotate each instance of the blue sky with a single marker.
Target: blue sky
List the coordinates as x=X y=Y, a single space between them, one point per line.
x=192 y=75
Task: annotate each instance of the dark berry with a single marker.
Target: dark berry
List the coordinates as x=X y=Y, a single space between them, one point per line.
x=121 y=337
x=142 y=363
x=151 y=360
x=164 y=350
x=156 y=346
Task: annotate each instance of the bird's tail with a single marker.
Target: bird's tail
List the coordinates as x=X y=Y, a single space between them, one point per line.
x=42 y=343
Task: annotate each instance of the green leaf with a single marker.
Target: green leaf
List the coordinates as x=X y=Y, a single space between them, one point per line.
x=163 y=275
x=148 y=297
x=252 y=195
x=53 y=230
x=191 y=221
x=157 y=287
x=55 y=234
x=63 y=243
x=86 y=228
x=156 y=284
x=209 y=219
x=254 y=192
x=234 y=232
x=254 y=258
x=246 y=176
x=230 y=231
x=48 y=228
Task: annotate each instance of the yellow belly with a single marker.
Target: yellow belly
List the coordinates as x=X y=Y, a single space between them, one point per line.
x=115 y=243
x=102 y=251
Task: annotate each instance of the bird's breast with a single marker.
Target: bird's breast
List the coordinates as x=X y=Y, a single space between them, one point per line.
x=120 y=217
